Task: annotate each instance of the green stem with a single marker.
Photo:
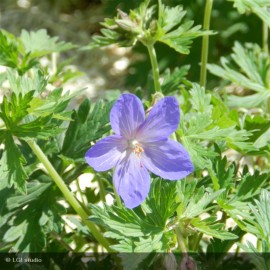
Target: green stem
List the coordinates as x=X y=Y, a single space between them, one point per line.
x=196 y=243
x=68 y=194
x=80 y=191
x=205 y=41
x=101 y=189
x=58 y=238
x=154 y=64
x=118 y=200
x=180 y=240
x=54 y=63
x=265 y=33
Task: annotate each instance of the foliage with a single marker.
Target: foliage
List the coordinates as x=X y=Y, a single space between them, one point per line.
x=259 y=7
x=52 y=201
x=252 y=73
x=142 y=25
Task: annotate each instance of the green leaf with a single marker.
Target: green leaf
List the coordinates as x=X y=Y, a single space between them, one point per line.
x=182 y=38
x=24 y=84
x=35 y=215
x=259 y=7
x=259 y=258
x=160 y=204
x=34 y=190
x=170 y=17
x=226 y=174
x=207 y=122
x=251 y=101
x=124 y=29
x=15 y=160
x=171 y=81
x=54 y=104
x=261 y=225
x=249 y=70
x=21 y=120
x=15 y=232
x=124 y=246
x=40 y=128
x=173 y=32
x=250 y=186
x=257 y=124
x=197 y=203
x=200 y=100
x=87 y=125
x=39 y=43
x=9 y=54
x=121 y=221
x=131 y=261
x=13 y=111
x=149 y=244
x=208 y=227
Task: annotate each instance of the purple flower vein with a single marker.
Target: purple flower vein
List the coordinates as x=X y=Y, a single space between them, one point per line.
x=140 y=145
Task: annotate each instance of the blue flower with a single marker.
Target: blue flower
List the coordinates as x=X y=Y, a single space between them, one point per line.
x=141 y=145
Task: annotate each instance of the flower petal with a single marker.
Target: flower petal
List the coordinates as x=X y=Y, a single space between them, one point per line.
x=106 y=153
x=162 y=121
x=126 y=115
x=131 y=180
x=167 y=159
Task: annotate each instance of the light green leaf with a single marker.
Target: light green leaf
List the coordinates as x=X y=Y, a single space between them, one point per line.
x=122 y=221
x=249 y=70
x=160 y=204
x=150 y=244
x=173 y=32
x=15 y=160
x=88 y=124
x=171 y=81
x=261 y=225
x=39 y=43
x=200 y=203
x=212 y=229
x=24 y=84
x=259 y=7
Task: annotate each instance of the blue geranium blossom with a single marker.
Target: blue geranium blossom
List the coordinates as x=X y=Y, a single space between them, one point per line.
x=141 y=145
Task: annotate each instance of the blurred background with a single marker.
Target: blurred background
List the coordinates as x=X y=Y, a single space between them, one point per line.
x=118 y=68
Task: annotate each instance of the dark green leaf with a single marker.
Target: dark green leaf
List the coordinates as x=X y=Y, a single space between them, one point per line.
x=39 y=43
x=15 y=160
x=161 y=204
x=87 y=125
x=171 y=81
x=9 y=54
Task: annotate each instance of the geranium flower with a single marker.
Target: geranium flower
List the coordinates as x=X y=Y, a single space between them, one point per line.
x=140 y=145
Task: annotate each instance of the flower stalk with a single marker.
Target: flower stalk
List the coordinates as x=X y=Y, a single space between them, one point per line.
x=180 y=240
x=117 y=198
x=265 y=34
x=154 y=64
x=205 y=42
x=101 y=189
x=68 y=194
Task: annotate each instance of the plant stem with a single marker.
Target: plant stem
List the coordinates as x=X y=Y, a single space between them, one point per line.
x=205 y=41
x=58 y=238
x=54 y=63
x=101 y=189
x=196 y=243
x=80 y=191
x=154 y=64
x=180 y=240
x=68 y=194
x=118 y=200
x=265 y=33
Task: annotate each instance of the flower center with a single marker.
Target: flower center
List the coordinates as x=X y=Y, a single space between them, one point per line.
x=137 y=148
